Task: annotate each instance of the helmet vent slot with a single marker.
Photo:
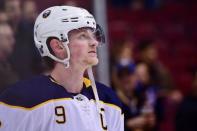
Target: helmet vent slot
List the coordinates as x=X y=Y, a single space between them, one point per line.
x=74 y=19
x=65 y=20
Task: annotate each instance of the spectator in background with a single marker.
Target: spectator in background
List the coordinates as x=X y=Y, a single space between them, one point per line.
x=139 y=102
x=125 y=79
x=3 y=17
x=30 y=11
x=7 y=74
x=187 y=112
x=126 y=93
x=13 y=11
x=149 y=55
x=148 y=94
x=29 y=14
x=168 y=95
x=145 y=88
x=122 y=54
x=159 y=74
x=25 y=58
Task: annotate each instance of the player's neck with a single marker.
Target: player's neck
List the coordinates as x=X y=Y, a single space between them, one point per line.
x=70 y=78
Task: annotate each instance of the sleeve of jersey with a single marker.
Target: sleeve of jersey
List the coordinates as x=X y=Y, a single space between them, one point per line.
x=16 y=118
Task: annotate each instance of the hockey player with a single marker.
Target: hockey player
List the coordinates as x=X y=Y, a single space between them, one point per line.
x=67 y=39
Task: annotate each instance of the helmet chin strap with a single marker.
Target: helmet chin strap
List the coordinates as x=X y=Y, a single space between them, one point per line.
x=99 y=106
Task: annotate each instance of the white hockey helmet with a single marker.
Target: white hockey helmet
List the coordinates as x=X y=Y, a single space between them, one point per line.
x=57 y=22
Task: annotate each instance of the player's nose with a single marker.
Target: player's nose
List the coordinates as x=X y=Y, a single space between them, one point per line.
x=94 y=42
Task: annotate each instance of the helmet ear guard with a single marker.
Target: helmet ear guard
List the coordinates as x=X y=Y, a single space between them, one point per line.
x=44 y=51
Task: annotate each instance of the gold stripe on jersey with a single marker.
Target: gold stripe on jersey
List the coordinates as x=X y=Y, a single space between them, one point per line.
x=114 y=106
x=52 y=100
x=109 y=104
x=34 y=107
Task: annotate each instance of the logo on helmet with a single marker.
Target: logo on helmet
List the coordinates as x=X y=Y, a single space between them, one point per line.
x=46 y=13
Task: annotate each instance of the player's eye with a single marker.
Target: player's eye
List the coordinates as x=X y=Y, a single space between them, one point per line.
x=82 y=36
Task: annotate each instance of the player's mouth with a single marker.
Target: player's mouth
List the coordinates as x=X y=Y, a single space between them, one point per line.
x=92 y=53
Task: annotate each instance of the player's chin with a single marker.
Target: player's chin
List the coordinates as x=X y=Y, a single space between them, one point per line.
x=93 y=61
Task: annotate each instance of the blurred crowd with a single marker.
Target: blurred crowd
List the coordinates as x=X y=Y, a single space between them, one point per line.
x=154 y=63
x=151 y=99
x=143 y=84
x=19 y=58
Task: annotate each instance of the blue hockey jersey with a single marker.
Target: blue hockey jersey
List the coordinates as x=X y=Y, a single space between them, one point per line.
x=40 y=104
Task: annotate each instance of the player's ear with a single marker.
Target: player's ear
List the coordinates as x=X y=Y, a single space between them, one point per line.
x=58 y=48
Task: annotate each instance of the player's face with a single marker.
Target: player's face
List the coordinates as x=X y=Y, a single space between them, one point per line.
x=142 y=73
x=83 y=47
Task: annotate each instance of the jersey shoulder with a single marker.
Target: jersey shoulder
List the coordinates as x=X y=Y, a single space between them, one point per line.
x=28 y=93
x=108 y=95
